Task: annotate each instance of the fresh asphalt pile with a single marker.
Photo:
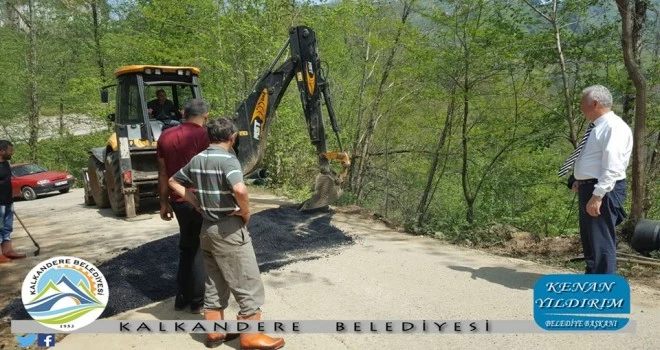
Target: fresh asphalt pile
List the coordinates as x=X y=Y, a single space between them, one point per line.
x=147 y=274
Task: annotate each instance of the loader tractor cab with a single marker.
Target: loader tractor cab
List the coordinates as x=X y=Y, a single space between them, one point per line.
x=125 y=170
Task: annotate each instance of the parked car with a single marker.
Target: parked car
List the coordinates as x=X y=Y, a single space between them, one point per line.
x=31 y=179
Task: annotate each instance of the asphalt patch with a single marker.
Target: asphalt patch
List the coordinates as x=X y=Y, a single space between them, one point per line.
x=147 y=274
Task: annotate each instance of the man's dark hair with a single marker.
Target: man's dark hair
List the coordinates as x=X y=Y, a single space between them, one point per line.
x=161 y=90
x=220 y=129
x=195 y=107
x=4 y=144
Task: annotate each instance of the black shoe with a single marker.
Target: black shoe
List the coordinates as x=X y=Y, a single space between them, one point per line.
x=180 y=304
x=213 y=343
x=199 y=310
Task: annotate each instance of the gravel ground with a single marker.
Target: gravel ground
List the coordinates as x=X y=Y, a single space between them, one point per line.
x=147 y=274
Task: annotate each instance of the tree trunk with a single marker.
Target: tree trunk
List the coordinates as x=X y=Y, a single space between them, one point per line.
x=464 y=144
x=387 y=165
x=97 y=39
x=636 y=37
x=470 y=211
x=426 y=194
x=653 y=175
x=630 y=23
x=564 y=75
x=375 y=114
x=628 y=103
x=33 y=116
x=360 y=112
x=564 y=78
x=61 y=129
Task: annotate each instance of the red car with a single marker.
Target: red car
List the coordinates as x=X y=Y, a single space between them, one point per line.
x=31 y=179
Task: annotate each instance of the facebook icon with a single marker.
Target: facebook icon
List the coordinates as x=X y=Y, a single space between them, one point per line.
x=47 y=340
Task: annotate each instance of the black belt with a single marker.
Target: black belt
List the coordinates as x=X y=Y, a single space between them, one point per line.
x=587 y=181
x=593 y=181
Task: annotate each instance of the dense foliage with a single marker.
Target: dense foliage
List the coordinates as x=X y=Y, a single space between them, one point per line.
x=457 y=113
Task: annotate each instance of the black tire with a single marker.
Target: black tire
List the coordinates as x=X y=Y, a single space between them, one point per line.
x=28 y=193
x=65 y=190
x=114 y=183
x=96 y=183
x=89 y=200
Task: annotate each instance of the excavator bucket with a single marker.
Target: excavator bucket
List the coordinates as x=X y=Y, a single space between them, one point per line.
x=328 y=186
x=326 y=192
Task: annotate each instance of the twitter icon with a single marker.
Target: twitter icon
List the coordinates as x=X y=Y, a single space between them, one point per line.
x=26 y=340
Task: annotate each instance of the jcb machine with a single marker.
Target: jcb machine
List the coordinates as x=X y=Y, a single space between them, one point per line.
x=256 y=114
x=125 y=170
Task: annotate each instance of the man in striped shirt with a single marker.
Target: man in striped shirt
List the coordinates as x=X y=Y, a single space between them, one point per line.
x=231 y=264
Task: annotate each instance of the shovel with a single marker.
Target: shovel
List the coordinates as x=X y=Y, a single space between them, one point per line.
x=36 y=252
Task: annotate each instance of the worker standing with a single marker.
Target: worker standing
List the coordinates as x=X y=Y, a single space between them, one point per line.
x=6 y=204
x=229 y=257
x=176 y=147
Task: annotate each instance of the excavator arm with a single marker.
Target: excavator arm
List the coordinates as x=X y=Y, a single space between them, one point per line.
x=255 y=115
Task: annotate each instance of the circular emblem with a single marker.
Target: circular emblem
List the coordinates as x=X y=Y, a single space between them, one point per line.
x=65 y=293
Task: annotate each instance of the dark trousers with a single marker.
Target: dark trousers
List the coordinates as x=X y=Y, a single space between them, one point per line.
x=597 y=233
x=191 y=275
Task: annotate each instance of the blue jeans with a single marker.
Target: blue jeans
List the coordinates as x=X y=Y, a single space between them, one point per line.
x=6 y=222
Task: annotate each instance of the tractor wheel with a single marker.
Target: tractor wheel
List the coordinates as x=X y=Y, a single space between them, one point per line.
x=96 y=183
x=88 y=199
x=113 y=182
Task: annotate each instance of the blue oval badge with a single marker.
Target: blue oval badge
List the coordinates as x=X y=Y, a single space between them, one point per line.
x=581 y=302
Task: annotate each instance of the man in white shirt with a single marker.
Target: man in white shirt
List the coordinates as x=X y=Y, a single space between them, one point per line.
x=599 y=178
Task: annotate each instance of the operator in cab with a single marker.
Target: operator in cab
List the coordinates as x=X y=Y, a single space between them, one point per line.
x=161 y=108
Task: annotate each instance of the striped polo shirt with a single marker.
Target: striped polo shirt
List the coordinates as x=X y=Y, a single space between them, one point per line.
x=213 y=173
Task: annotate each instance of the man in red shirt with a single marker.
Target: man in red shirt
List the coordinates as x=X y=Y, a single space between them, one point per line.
x=176 y=147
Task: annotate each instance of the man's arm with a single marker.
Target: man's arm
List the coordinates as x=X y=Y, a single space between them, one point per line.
x=184 y=192
x=232 y=170
x=163 y=191
x=613 y=162
x=150 y=107
x=613 y=167
x=179 y=184
x=243 y=201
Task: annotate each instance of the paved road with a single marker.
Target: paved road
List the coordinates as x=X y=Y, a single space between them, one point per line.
x=385 y=275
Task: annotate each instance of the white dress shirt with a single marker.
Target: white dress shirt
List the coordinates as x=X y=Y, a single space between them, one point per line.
x=606 y=154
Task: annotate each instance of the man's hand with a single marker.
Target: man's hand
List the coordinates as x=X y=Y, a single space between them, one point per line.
x=575 y=187
x=593 y=206
x=244 y=214
x=242 y=201
x=192 y=199
x=166 y=212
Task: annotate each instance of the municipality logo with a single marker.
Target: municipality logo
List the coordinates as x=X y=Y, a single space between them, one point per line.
x=65 y=293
